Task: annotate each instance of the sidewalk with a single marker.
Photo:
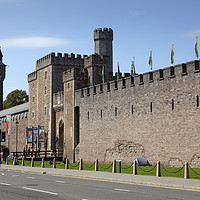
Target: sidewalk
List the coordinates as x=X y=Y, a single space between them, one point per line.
x=181 y=183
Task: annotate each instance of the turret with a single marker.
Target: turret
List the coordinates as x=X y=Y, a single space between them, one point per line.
x=103 y=44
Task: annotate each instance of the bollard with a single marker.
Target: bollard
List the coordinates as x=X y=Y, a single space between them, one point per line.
x=120 y=167
x=7 y=161
x=23 y=161
x=67 y=164
x=158 y=172
x=14 y=161
x=32 y=162
x=186 y=171
x=42 y=164
x=96 y=168
x=81 y=164
x=54 y=163
x=134 y=167
x=114 y=166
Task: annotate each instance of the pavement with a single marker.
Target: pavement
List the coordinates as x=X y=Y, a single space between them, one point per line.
x=165 y=182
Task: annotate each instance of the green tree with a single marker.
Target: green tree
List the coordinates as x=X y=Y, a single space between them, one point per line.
x=16 y=97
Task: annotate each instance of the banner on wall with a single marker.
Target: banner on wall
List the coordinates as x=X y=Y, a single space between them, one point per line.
x=29 y=135
x=8 y=124
x=41 y=133
x=35 y=134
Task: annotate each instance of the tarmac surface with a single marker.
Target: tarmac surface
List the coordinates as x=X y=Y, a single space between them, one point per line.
x=165 y=182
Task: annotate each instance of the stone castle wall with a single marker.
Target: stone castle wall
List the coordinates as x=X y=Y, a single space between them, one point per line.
x=153 y=115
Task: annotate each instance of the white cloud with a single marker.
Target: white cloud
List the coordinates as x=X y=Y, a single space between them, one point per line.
x=33 y=42
x=193 y=33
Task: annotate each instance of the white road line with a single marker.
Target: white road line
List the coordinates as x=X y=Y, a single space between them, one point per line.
x=123 y=190
x=60 y=182
x=15 y=175
x=40 y=190
x=31 y=177
x=5 y=184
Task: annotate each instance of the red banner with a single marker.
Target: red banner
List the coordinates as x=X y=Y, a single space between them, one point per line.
x=8 y=128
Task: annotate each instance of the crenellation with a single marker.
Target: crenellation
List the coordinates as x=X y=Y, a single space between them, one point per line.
x=32 y=76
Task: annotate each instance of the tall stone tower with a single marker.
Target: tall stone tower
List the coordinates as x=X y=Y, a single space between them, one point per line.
x=103 y=45
x=2 y=77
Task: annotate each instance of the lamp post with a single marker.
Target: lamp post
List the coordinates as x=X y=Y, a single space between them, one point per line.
x=16 y=135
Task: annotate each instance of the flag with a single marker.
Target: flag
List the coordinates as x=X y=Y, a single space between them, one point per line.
x=172 y=54
x=102 y=75
x=118 y=73
x=133 y=66
x=196 y=50
x=150 y=60
x=88 y=80
x=8 y=124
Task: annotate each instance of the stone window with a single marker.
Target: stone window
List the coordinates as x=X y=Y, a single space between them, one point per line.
x=33 y=99
x=184 y=69
x=161 y=77
x=151 y=107
x=116 y=85
x=150 y=77
x=123 y=83
x=22 y=115
x=132 y=81
x=132 y=110
x=172 y=104
x=197 y=101
x=45 y=75
x=101 y=88
x=45 y=90
x=101 y=114
x=88 y=91
x=115 y=111
x=82 y=94
x=172 y=74
x=88 y=115
x=68 y=85
x=19 y=116
x=33 y=114
x=94 y=90
x=25 y=115
x=15 y=117
x=45 y=110
x=108 y=87
x=196 y=65
x=141 y=79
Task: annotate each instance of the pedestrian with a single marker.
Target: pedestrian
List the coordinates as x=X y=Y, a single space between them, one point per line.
x=31 y=151
x=24 y=151
x=38 y=150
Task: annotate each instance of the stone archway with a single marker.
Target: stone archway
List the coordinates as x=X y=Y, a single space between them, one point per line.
x=61 y=136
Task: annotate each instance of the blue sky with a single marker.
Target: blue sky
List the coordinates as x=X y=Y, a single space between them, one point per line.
x=30 y=29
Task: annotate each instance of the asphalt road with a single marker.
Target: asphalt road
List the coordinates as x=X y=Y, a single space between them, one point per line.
x=20 y=185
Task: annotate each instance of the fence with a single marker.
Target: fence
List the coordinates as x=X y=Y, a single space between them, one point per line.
x=96 y=166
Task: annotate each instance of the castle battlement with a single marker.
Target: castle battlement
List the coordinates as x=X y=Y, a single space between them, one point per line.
x=32 y=76
x=168 y=75
x=95 y=59
x=103 y=34
x=60 y=59
x=75 y=73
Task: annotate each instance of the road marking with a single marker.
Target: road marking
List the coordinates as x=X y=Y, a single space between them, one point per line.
x=40 y=190
x=129 y=183
x=31 y=177
x=5 y=184
x=60 y=182
x=15 y=175
x=123 y=190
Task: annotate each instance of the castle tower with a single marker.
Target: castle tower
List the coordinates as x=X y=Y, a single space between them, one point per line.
x=103 y=45
x=2 y=77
